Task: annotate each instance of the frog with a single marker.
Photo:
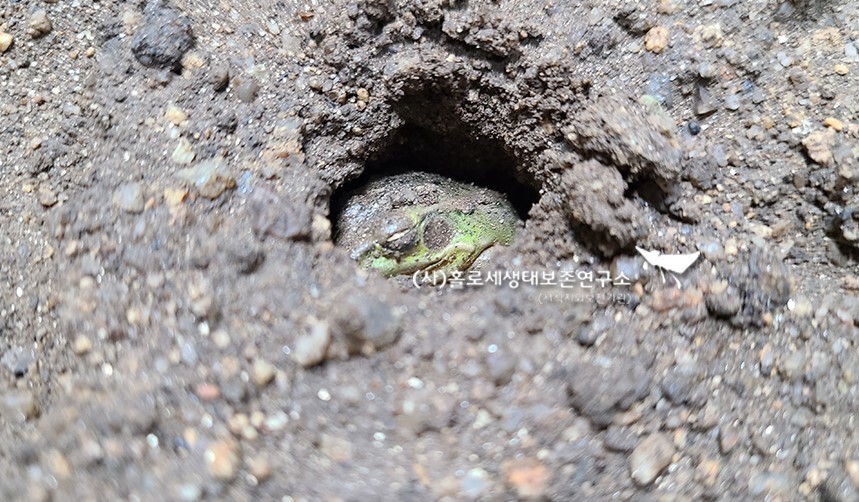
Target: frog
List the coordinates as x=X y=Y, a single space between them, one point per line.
x=419 y=222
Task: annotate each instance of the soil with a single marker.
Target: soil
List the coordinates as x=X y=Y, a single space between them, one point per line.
x=176 y=322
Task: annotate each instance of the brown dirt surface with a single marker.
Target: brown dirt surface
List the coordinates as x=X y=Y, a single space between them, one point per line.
x=176 y=322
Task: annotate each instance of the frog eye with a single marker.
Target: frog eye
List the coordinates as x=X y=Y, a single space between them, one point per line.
x=400 y=235
x=437 y=232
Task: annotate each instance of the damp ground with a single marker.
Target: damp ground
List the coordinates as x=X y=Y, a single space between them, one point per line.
x=177 y=323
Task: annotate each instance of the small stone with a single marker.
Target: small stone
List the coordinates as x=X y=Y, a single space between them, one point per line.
x=311 y=348
x=728 y=439
x=82 y=345
x=834 y=124
x=222 y=460
x=175 y=115
x=58 y=464
x=263 y=372
x=708 y=470
x=220 y=77
x=362 y=95
x=39 y=25
x=162 y=39
x=703 y=102
x=732 y=101
x=652 y=455
x=656 y=39
x=852 y=468
x=190 y=492
x=527 y=476
x=18 y=406
x=47 y=197
x=766 y=358
x=210 y=177
x=793 y=366
x=260 y=468
x=841 y=69
x=770 y=483
x=247 y=90
x=707 y=70
x=694 y=128
x=17 y=359
x=183 y=154
x=475 y=483
x=819 y=146
x=5 y=42
x=130 y=198
x=501 y=365
x=712 y=35
x=207 y=391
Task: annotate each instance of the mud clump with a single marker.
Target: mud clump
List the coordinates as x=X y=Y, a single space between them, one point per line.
x=638 y=143
x=598 y=391
x=163 y=38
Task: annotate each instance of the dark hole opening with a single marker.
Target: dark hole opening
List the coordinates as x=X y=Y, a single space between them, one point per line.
x=454 y=154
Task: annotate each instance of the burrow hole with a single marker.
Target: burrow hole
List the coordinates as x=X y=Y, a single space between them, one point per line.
x=433 y=139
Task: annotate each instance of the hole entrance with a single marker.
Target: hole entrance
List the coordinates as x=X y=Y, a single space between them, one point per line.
x=433 y=196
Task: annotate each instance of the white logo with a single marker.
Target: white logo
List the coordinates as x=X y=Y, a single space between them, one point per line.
x=676 y=263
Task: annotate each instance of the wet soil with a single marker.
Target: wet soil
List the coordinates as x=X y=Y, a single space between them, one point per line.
x=177 y=323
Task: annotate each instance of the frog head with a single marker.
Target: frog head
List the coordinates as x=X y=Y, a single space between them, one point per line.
x=438 y=238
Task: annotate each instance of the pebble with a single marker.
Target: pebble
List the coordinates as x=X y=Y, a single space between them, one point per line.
x=475 y=483
x=598 y=391
x=703 y=102
x=656 y=39
x=175 y=115
x=658 y=86
x=652 y=455
x=130 y=198
x=190 y=492
x=712 y=35
x=819 y=146
x=852 y=468
x=222 y=460
x=728 y=438
x=770 y=483
x=793 y=365
x=18 y=406
x=260 y=468
x=247 y=90
x=39 y=25
x=527 y=476
x=841 y=69
x=501 y=365
x=47 y=197
x=694 y=128
x=263 y=372
x=707 y=70
x=210 y=177
x=834 y=124
x=5 y=42
x=82 y=345
x=732 y=101
x=18 y=359
x=183 y=154
x=766 y=359
x=162 y=39
x=366 y=324
x=311 y=348
x=219 y=76
x=709 y=470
